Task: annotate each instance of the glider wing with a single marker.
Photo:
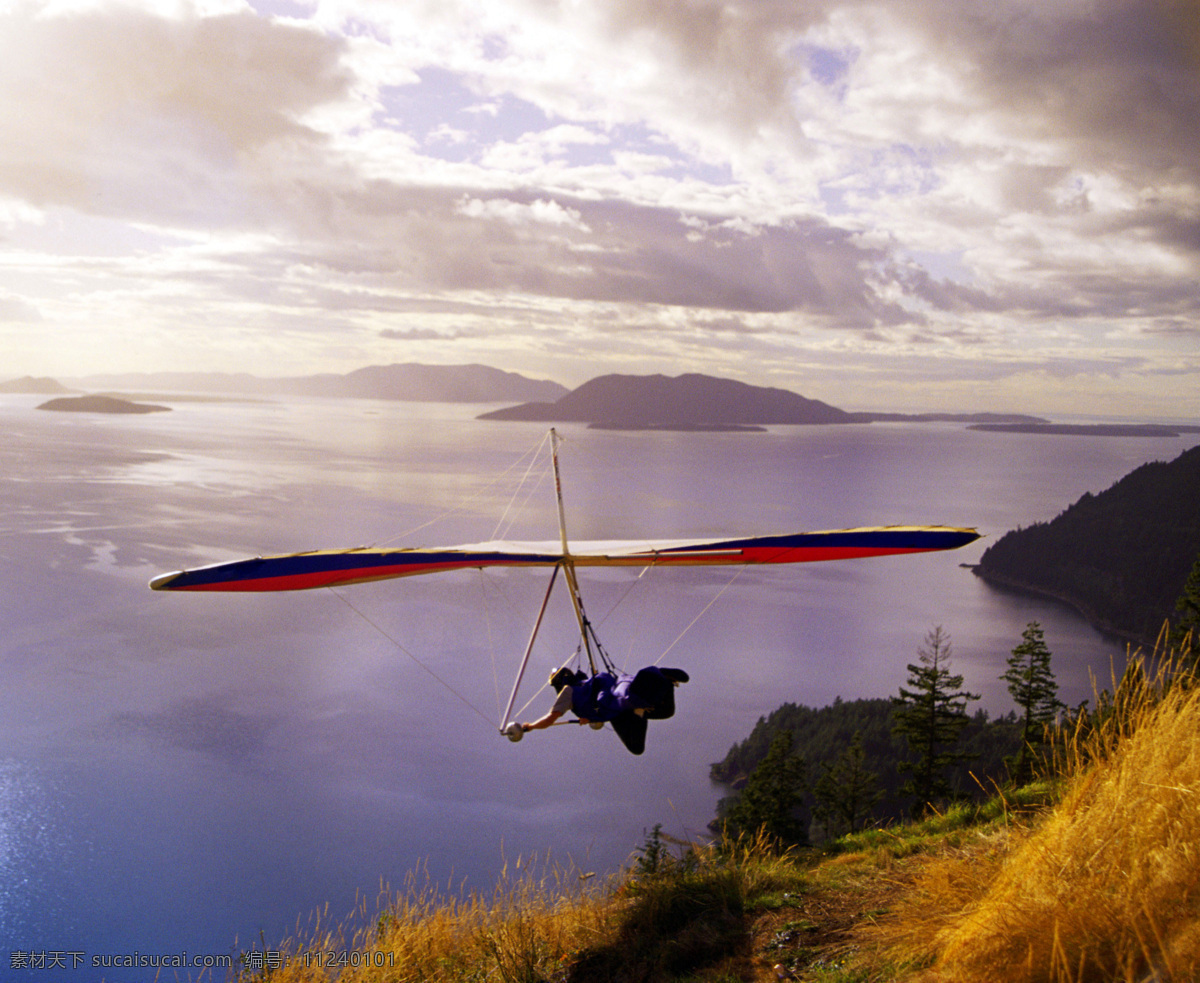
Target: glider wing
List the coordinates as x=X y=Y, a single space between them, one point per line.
x=328 y=568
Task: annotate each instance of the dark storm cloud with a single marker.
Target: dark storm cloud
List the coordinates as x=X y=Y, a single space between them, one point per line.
x=1116 y=78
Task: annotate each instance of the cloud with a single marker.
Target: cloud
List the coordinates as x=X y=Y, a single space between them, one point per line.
x=715 y=74
x=1119 y=79
x=539 y=212
x=119 y=111
x=795 y=179
x=421 y=334
x=17 y=309
x=612 y=251
x=1080 y=115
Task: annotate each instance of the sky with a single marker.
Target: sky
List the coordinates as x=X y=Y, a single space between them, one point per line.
x=885 y=204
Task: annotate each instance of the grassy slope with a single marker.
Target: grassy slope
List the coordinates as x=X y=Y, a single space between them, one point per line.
x=1094 y=875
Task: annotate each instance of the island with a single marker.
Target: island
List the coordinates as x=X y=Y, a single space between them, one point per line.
x=691 y=401
x=700 y=403
x=985 y=420
x=1087 y=429
x=100 y=404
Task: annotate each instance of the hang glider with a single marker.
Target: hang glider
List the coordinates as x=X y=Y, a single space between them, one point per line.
x=332 y=568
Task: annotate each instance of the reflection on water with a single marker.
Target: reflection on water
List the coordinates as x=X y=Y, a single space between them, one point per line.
x=28 y=839
x=222 y=764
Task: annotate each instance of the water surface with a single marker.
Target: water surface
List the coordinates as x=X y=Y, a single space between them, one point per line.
x=185 y=772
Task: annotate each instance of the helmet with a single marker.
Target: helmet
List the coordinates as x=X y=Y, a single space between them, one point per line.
x=563 y=677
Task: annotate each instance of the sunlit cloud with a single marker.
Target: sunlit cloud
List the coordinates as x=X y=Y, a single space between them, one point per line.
x=792 y=195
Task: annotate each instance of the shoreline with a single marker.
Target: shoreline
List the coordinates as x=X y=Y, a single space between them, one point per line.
x=1001 y=581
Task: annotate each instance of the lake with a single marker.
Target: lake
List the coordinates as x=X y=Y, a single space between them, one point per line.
x=203 y=773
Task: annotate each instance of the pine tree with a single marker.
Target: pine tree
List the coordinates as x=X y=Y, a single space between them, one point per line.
x=773 y=797
x=1185 y=633
x=931 y=716
x=846 y=793
x=1035 y=691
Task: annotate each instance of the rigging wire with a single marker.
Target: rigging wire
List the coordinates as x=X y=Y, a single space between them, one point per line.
x=528 y=703
x=625 y=593
x=499 y=534
x=533 y=459
x=607 y=662
x=691 y=624
x=531 y=452
x=621 y=600
x=497 y=587
x=396 y=642
x=703 y=612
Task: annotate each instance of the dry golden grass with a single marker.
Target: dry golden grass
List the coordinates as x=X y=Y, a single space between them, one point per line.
x=1109 y=886
x=526 y=930
x=678 y=917
x=1106 y=886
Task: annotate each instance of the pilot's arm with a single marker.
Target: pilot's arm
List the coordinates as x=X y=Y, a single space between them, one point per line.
x=542 y=722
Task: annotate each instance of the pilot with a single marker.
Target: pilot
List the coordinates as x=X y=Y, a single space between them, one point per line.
x=625 y=701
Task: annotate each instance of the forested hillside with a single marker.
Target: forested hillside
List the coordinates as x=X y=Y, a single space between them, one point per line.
x=820 y=735
x=1121 y=557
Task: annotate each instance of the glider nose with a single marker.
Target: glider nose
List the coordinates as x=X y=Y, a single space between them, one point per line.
x=163 y=581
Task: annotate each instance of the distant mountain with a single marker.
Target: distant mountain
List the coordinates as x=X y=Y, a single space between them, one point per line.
x=426 y=383
x=33 y=386
x=1121 y=557
x=658 y=401
x=409 y=381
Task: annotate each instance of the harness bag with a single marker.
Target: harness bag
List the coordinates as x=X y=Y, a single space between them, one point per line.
x=653 y=692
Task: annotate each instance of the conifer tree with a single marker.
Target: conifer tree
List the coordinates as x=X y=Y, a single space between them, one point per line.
x=846 y=793
x=931 y=716
x=1034 y=689
x=1185 y=633
x=773 y=797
